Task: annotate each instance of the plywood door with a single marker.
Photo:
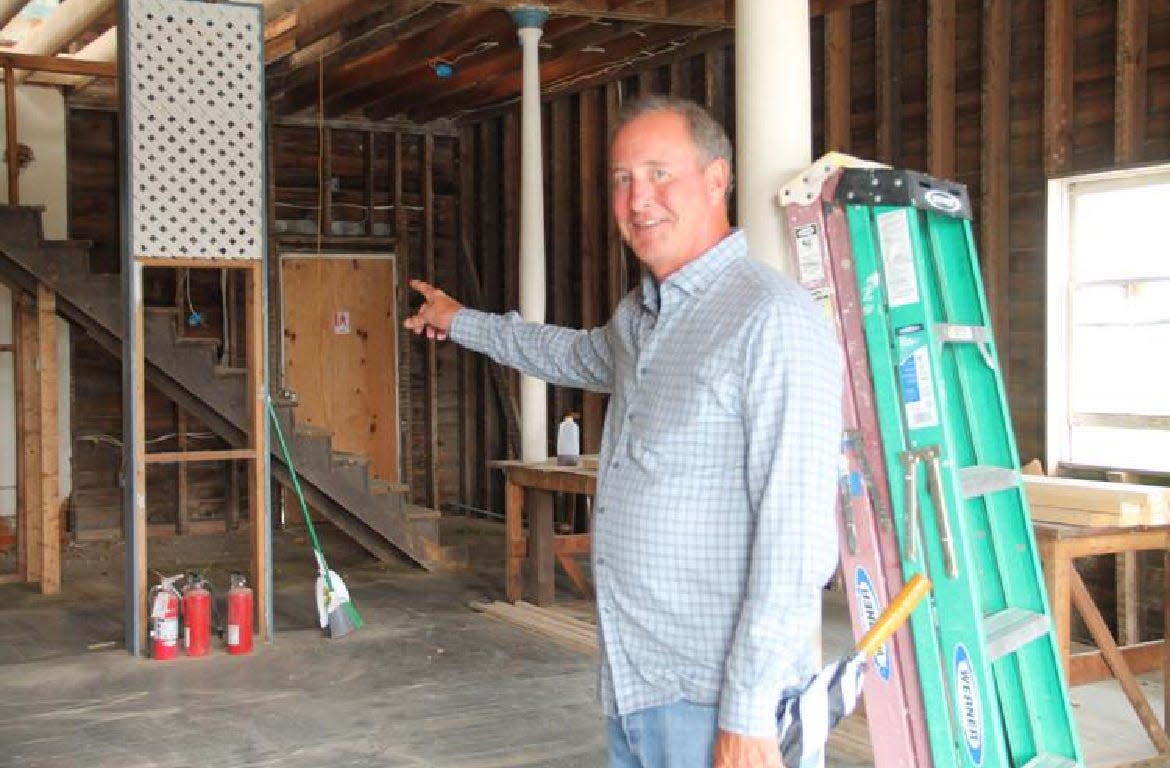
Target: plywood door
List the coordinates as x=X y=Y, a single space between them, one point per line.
x=340 y=354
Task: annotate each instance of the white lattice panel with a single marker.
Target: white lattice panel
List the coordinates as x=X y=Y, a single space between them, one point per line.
x=196 y=127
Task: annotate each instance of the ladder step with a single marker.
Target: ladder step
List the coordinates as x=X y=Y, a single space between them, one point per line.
x=980 y=480
x=977 y=334
x=1050 y=761
x=1011 y=629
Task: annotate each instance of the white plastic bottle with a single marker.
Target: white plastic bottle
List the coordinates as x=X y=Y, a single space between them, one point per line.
x=568 y=442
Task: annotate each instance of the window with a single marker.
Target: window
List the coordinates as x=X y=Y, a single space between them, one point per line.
x=1108 y=401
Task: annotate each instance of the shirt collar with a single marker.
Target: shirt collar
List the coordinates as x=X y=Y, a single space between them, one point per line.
x=697 y=275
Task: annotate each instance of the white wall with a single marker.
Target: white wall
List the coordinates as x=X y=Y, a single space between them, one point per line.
x=41 y=125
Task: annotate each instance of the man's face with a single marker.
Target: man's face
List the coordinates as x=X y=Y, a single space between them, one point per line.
x=669 y=207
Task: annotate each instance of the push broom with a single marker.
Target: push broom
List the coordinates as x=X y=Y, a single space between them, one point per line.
x=337 y=613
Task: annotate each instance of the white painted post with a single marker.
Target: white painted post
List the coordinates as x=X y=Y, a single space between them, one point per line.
x=533 y=392
x=773 y=106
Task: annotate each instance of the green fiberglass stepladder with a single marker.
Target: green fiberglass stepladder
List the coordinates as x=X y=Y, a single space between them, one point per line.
x=960 y=510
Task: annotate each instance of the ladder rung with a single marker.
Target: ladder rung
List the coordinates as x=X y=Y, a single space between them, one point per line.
x=961 y=333
x=1011 y=629
x=981 y=480
x=1050 y=761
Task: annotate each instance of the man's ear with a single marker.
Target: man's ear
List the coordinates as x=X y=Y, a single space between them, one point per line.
x=718 y=177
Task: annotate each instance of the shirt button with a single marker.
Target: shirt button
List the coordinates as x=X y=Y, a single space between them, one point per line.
x=601 y=561
x=630 y=417
x=616 y=464
x=643 y=371
x=601 y=510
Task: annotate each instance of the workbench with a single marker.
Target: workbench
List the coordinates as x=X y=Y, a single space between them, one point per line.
x=529 y=489
x=1059 y=546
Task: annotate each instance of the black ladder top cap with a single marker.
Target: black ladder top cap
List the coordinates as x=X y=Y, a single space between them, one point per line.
x=885 y=186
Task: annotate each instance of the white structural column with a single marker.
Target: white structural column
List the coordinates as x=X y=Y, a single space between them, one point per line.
x=773 y=106
x=533 y=392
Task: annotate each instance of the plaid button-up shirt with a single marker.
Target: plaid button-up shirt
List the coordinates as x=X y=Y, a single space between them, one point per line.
x=713 y=526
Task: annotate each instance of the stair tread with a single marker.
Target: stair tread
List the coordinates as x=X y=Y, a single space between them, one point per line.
x=416 y=512
x=230 y=370
x=378 y=485
x=197 y=341
x=312 y=430
x=348 y=457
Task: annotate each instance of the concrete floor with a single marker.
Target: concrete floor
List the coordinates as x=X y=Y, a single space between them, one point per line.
x=426 y=682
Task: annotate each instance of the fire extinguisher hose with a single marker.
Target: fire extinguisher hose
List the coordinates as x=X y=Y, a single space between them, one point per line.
x=338 y=613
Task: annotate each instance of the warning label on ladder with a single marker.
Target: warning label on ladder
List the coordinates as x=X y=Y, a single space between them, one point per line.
x=898 y=257
x=917 y=384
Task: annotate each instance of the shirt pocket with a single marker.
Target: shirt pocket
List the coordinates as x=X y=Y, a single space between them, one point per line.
x=689 y=422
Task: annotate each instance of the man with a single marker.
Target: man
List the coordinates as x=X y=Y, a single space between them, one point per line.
x=713 y=528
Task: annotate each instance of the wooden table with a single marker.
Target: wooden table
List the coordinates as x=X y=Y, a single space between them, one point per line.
x=529 y=488
x=1061 y=544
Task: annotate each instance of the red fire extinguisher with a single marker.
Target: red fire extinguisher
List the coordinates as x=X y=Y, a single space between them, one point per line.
x=164 y=618
x=239 y=616
x=196 y=616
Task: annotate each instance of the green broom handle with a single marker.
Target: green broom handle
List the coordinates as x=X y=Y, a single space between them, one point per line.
x=292 y=470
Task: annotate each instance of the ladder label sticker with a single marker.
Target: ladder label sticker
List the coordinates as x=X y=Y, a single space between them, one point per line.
x=970 y=711
x=898 y=257
x=809 y=256
x=917 y=385
x=869 y=608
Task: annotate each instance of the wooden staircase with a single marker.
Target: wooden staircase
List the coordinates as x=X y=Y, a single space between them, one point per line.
x=375 y=514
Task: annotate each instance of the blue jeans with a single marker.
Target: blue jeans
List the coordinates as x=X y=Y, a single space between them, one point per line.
x=678 y=735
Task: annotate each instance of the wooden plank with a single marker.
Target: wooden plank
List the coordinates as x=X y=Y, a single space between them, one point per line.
x=940 y=79
x=11 y=144
x=431 y=383
x=838 y=45
x=59 y=65
x=258 y=476
x=715 y=84
x=30 y=437
x=591 y=178
x=1058 y=86
x=1120 y=499
x=1131 y=82
x=50 y=488
x=888 y=79
x=368 y=167
x=173 y=457
x=344 y=376
x=1116 y=661
x=1081 y=517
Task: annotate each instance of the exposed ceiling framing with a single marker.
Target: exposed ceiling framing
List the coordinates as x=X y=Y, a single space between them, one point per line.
x=418 y=60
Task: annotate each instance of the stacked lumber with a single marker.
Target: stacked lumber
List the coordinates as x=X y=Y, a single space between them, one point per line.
x=1095 y=503
x=566 y=630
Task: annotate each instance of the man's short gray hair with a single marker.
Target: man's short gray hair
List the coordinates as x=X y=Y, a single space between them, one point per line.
x=707 y=134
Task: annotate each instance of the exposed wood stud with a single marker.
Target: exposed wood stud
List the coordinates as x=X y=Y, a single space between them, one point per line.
x=838 y=46
x=11 y=122
x=181 y=522
x=888 y=80
x=258 y=476
x=591 y=176
x=940 y=78
x=1132 y=82
x=431 y=384
x=325 y=182
x=615 y=254
x=995 y=213
x=1058 y=86
x=406 y=341
x=510 y=191
x=565 y=247
x=30 y=437
x=470 y=461
x=50 y=493
x=368 y=163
